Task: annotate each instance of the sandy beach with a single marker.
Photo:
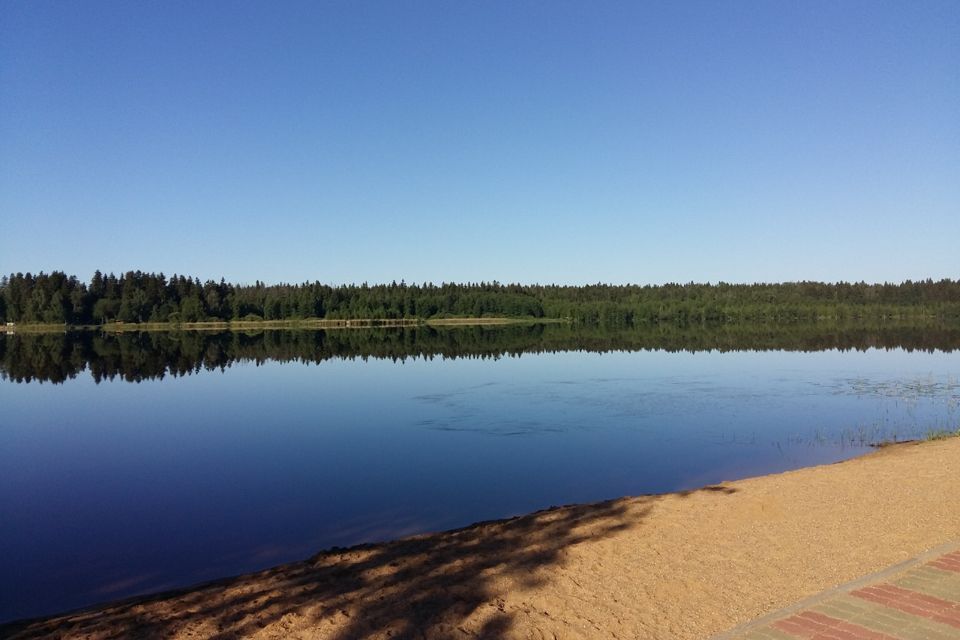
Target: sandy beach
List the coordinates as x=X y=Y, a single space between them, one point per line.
x=683 y=565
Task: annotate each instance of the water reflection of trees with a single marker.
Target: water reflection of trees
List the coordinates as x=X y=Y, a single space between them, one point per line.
x=148 y=355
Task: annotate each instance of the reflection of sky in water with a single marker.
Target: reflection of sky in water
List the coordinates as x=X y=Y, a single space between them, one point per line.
x=121 y=488
x=779 y=409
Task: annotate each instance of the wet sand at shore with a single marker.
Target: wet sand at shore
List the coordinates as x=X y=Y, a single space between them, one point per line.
x=682 y=565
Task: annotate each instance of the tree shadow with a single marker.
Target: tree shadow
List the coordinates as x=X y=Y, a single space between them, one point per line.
x=430 y=586
x=713 y=488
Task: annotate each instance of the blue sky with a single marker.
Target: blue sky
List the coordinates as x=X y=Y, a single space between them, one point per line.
x=567 y=142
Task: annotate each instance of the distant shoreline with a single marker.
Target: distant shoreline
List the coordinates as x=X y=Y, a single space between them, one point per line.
x=149 y=300
x=260 y=325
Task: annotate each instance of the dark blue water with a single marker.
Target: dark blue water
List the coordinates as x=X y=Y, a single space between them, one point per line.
x=113 y=489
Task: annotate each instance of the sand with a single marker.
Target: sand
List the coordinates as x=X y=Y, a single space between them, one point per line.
x=683 y=565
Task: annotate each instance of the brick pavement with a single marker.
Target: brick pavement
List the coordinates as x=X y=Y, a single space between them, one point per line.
x=919 y=602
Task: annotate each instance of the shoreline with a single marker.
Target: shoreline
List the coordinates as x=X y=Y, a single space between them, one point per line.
x=266 y=325
x=682 y=565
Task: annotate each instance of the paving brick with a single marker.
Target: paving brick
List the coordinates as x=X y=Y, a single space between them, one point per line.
x=912 y=602
x=921 y=603
x=768 y=634
x=946 y=564
x=932 y=582
x=812 y=625
x=886 y=620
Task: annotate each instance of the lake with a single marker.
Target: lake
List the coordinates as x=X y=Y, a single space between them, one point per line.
x=142 y=462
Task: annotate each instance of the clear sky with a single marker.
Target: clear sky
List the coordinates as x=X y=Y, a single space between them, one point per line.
x=534 y=141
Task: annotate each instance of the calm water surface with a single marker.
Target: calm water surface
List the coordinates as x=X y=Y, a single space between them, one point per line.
x=114 y=489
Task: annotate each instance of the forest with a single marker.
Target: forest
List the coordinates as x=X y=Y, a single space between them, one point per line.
x=138 y=297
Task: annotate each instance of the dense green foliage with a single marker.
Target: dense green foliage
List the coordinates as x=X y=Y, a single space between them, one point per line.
x=147 y=297
x=136 y=356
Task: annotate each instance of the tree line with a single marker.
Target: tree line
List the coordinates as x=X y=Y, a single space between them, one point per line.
x=136 y=297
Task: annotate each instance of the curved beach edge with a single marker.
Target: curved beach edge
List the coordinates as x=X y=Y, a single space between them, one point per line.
x=680 y=565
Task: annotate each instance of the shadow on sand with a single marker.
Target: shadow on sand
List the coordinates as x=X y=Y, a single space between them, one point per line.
x=432 y=586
